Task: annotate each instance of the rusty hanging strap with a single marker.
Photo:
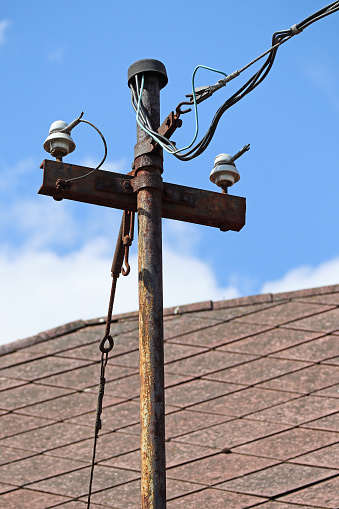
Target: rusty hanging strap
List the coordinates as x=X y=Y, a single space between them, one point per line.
x=124 y=241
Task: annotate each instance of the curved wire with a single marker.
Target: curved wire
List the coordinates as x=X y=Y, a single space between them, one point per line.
x=103 y=159
x=142 y=121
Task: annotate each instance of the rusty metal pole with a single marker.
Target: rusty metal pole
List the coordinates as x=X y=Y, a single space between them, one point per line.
x=178 y=202
x=148 y=166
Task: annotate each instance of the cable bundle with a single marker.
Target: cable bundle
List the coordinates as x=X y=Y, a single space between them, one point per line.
x=198 y=95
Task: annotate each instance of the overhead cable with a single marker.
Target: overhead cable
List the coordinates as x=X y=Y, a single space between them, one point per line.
x=201 y=93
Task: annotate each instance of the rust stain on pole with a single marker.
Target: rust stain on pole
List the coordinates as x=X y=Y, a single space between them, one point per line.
x=152 y=404
x=152 y=393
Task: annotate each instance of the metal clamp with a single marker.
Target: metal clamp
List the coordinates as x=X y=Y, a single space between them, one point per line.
x=148 y=146
x=147 y=180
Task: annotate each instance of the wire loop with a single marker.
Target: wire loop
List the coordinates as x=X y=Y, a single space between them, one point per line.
x=106 y=349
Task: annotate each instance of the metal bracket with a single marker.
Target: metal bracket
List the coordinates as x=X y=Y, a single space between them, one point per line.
x=169 y=125
x=167 y=128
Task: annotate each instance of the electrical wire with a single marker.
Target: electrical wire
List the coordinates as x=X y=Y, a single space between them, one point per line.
x=68 y=129
x=322 y=13
x=135 y=100
x=167 y=144
x=142 y=114
x=278 y=39
x=143 y=120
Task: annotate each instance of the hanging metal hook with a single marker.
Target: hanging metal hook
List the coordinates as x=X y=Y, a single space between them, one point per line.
x=127 y=238
x=179 y=111
x=126 y=271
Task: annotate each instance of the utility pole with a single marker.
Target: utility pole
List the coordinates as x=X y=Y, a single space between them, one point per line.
x=143 y=191
x=148 y=168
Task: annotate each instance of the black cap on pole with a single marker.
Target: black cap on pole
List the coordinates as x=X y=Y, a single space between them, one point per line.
x=148 y=65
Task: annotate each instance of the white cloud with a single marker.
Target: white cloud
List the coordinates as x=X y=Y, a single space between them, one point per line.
x=40 y=289
x=60 y=272
x=13 y=176
x=39 y=223
x=188 y=279
x=4 y=24
x=182 y=236
x=305 y=276
x=42 y=224
x=27 y=219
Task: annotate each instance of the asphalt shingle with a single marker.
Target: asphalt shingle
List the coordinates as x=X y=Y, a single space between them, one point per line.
x=252 y=408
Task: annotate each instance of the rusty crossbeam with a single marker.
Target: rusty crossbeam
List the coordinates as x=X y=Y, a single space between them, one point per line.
x=115 y=190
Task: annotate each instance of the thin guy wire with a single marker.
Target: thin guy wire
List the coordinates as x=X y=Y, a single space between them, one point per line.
x=104 y=359
x=116 y=269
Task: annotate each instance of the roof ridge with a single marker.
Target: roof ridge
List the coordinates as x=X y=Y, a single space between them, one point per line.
x=42 y=336
x=174 y=310
x=308 y=292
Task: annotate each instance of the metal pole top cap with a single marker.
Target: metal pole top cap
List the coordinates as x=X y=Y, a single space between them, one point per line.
x=148 y=65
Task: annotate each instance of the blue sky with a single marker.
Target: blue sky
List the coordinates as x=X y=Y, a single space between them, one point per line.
x=60 y=58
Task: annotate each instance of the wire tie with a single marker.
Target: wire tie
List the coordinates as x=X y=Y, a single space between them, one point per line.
x=295 y=30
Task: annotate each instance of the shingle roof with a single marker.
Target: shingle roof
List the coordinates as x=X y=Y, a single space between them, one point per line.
x=252 y=408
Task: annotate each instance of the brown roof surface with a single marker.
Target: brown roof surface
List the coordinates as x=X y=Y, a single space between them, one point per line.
x=252 y=395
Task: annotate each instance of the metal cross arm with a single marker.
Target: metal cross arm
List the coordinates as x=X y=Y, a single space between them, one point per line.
x=117 y=190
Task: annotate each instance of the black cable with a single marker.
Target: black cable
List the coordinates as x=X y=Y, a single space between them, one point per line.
x=322 y=13
x=278 y=39
x=77 y=121
x=250 y=85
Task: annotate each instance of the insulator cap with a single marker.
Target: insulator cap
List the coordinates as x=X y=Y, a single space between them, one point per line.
x=148 y=65
x=224 y=173
x=58 y=143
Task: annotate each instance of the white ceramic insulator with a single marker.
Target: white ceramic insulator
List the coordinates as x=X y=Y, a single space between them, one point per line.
x=224 y=172
x=57 y=142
